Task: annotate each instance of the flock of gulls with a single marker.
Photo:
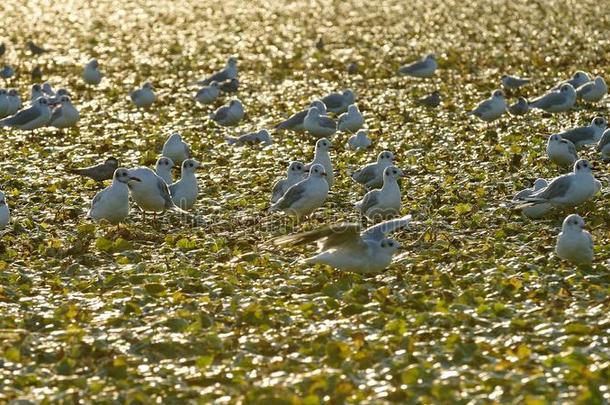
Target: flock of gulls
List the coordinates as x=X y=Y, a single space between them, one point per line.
x=305 y=188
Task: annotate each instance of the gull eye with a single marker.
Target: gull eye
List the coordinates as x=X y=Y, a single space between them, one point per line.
x=578 y=166
x=191 y=165
x=383 y=244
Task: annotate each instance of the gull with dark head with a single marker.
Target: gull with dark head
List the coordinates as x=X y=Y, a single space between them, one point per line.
x=322 y=156
x=100 y=172
x=319 y=125
x=371 y=175
x=587 y=135
x=208 y=94
x=296 y=173
x=492 y=108
x=143 y=97
x=65 y=115
x=555 y=101
x=514 y=82
x=561 y=151
x=306 y=196
x=593 y=91
x=520 y=107
x=91 y=72
x=338 y=102
x=112 y=203
x=37 y=116
x=163 y=168
x=350 y=121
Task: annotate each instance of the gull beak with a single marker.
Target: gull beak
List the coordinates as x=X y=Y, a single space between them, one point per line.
x=323 y=174
x=134 y=178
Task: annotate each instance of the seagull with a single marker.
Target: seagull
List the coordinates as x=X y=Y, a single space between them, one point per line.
x=184 y=191
x=492 y=108
x=36 y=92
x=228 y=73
x=574 y=244
x=176 y=149
x=561 y=151
x=5 y=215
x=91 y=72
x=322 y=157
x=593 y=91
x=229 y=115
x=514 y=82
x=112 y=203
x=296 y=173
x=319 y=125
x=56 y=99
x=345 y=246
x=521 y=107
x=47 y=90
x=100 y=172
x=536 y=211
x=384 y=202
x=151 y=193
x=208 y=94
x=556 y=101
x=590 y=134
x=14 y=102
x=64 y=116
x=143 y=97
x=338 y=102
x=35 y=49
x=359 y=141
x=567 y=190
x=230 y=86
x=252 y=138
x=36 y=73
x=371 y=175
x=163 y=168
x=578 y=79
x=295 y=122
x=7 y=72
x=4 y=103
x=432 y=101
x=424 y=67
x=350 y=121
x=37 y=116
x=306 y=196
x=603 y=145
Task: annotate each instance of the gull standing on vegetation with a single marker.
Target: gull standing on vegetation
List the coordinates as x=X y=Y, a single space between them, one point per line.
x=58 y=95
x=64 y=116
x=14 y=101
x=492 y=108
x=230 y=86
x=47 y=90
x=7 y=72
x=143 y=97
x=252 y=138
x=296 y=173
x=432 y=101
x=322 y=157
x=345 y=246
x=384 y=202
x=228 y=115
x=574 y=244
x=593 y=91
x=36 y=92
x=587 y=135
x=514 y=82
x=371 y=175
x=306 y=196
x=319 y=125
x=91 y=72
x=37 y=116
x=163 y=168
x=603 y=145
x=561 y=151
x=338 y=102
x=208 y=94
x=359 y=141
x=151 y=193
x=228 y=73
x=295 y=122
x=424 y=67
x=536 y=211
x=112 y=203
x=100 y=172
x=567 y=190
x=184 y=191
x=176 y=149
x=5 y=214
x=350 y=121
x=521 y=107
x=556 y=101
x=578 y=79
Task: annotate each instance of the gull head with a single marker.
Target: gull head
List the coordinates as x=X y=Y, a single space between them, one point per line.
x=599 y=81
x=582 y=166
x=317 y=170
x=498 y=94
x=13 y=93
x=36 y=87
x=566 y=88
x=573 y=223
x=361 y=134
x=3 y=92
x=389 y=245
x=235 y=103
x=165 y=163
x=93 y=63
x=214 y=84
x=112 y=161
x=349 y=96
x=232 y=61
x=323 y=144
x=580 y=76
x=539 y=184
x=385 y=156
x=599 y=122
x=264 y=137
x=430 y=56
x=122 y=176
x=555 y=138
x=296 y=167
x=319 y=105
x=190 y=165
x=63 y=92
x=393 y=172
x=148 y=85
x=175 y=137
x=65 y=100
x=42 y=101
x=352 y=109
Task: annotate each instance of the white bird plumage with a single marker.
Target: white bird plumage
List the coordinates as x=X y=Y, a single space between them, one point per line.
x=350 y=121
x=384 y=202
x=574 y=243
x=184 y=192
x=322 y=156
x=306 y=196
x=163 y=169
x=176 y=149
x=112 y=203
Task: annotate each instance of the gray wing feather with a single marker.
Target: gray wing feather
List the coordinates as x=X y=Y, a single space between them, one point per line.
x=413 y=67
x=333 y=101
x=369 y=201
x=278 y=191
x=364 y=175
x=556 y=188
x=135 y=94
x=523 y=193
x=221 y=114
x=585 y=88
x=331 y=235
x=172 y=188
x=97 y=198
x=549 y=100
x=379 y=231
x=605 y=139
x=56 y=114
x=216 y=77
x=327 y=123
x=292 y=195
x=23 y=117
x=580 y=134
x=293 y=121
x=164 y=190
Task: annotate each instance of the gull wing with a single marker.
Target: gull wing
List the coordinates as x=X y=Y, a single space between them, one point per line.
x=379 y=231
x=23 y=117
x=343 y=234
